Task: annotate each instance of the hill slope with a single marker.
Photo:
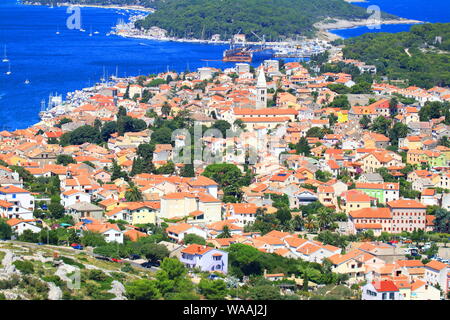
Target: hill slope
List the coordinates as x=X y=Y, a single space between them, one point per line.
x=417 y=55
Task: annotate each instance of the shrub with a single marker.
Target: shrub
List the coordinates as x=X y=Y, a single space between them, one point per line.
x=71 y=262
x=25 y=267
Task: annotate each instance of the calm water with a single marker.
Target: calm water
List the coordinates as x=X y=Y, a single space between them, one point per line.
x=423 y=10
x=73 y=60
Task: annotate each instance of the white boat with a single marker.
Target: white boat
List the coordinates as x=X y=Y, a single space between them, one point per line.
x=57 y=30
x=82 y=30
x=96 y=32
x=9 y=70
x=27 y=81
x=5 y=58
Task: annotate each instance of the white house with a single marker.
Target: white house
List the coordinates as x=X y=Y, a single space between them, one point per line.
x=19 y=226
x=177 y=232
x=17 y=196
x=436 y=273
x=381 y=290
x=71 y=197
x=111 y=232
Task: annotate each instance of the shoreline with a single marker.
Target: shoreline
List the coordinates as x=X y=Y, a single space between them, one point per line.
x=116 y=7
x=325 y=29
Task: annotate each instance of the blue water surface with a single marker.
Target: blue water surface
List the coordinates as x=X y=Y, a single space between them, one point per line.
x=73 y=60
x=423 y=10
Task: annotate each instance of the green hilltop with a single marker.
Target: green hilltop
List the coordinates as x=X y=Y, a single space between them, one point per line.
x=272 y=18
x=421 y=55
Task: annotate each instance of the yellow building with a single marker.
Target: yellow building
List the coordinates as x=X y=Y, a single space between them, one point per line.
x=183 y=204
x=342 y=116
x=353 y=200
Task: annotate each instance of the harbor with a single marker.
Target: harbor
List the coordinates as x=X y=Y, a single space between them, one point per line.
x=240 y=48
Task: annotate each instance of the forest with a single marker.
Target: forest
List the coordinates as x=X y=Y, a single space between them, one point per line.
x=200 y=19
x=421 y=55
x=273 y=18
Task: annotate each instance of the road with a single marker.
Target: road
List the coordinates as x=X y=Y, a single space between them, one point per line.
x=88 y=251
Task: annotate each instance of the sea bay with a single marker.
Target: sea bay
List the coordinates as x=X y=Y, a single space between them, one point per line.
x=71 y=60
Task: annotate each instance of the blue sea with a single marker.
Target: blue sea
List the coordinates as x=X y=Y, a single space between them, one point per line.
x=72 y=60
x=423 y=10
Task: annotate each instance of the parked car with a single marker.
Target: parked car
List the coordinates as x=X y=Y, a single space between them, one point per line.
x=134 y=257
x=102 y=258
x=116 y=260
x=213 y=277
x=151 y=264
x=77 y=246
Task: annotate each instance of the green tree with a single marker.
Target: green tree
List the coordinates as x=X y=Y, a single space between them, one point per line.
x=162 y=136
x=365 y=122
x=264 y=292
x=154 y=251
x=168 y=168
x=165 y=109
x=442 y=220
x=134 y=194
x=302 y=147
x=222 y=126
x=142 y=289
x=5 y=230
x=381 y=125
x=193 y=238
x=243 y=260
x=92 y=239
x=64 y=159
x=56 y=210
x=187 y=171
x=213 y=289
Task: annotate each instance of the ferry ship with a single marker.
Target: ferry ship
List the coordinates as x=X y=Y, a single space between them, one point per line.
x=237 y=55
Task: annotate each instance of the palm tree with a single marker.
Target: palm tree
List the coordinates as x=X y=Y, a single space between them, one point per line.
x=261 y=211
x=324 y=218
x=310 y=224
x=133 y=194
x=298 y=223
x=306 y=272
x=225 y=233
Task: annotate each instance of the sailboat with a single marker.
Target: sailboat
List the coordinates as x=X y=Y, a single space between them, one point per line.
x=90 y=34
x=5 y=58
x=9 y=70
x=57 y=30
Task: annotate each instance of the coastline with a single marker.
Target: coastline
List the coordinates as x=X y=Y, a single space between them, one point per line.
x=116 y=7
x=323 y=33
x=325 y=28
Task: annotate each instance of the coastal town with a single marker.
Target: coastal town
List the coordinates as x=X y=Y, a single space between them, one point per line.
x=238 y=175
